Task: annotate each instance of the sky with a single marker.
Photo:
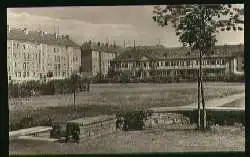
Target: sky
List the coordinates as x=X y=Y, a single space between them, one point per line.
x=105 y=23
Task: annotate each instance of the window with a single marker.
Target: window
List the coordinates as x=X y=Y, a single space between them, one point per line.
x=223 y=62
x=217 y=62
x=16 y=74
x=242 y=61
x=20 y=74
x=24 y=65
x=63 y=73
x=28 y=74
x=59 y=67
x=34 y=73
x=197 y=62
x=9 y=77
x=213 y=62
x=24 y=74
x=17 y=45
x=24 y=46
x=54 y=49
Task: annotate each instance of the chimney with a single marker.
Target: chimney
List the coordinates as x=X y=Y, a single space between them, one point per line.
x=8 y=28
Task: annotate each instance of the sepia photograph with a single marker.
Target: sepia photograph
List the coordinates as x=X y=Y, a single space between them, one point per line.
x=126 y=79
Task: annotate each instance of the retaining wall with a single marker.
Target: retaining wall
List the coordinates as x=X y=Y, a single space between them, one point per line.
x=170 y=116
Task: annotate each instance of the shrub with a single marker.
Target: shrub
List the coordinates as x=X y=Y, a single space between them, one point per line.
x=133 y=120
x=58 y=130
x=217 y=116
x=26 y=122
x=45 y=88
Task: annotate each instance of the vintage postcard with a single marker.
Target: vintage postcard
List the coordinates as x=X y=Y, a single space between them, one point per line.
x=126 y=79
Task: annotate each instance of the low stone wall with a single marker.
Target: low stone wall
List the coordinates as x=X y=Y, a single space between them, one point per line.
x=166 y=118
x=182 y=116
x=98 y=128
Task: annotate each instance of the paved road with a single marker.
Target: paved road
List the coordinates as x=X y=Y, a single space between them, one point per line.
x=214 y=103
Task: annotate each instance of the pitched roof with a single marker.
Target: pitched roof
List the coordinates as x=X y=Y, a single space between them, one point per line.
x=37 y=37
x=160 y=52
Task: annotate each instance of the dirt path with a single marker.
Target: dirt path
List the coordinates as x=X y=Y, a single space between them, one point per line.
x=221 y=101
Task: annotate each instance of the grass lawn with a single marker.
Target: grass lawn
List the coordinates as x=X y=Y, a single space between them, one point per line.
x=110 y=98
x=162 y=140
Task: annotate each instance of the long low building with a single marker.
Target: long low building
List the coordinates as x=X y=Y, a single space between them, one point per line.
x=179 y=62
x=38 y=55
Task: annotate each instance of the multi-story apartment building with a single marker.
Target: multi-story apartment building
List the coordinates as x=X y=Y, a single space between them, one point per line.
x=96 y=59
x=33 y=55
x=179 y=62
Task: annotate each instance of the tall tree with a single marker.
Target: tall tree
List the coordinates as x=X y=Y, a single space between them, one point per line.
x=196 y=26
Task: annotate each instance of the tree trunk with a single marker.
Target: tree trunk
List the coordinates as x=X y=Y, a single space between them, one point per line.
x=203 y=106
x=199 y=107
x=74 y=94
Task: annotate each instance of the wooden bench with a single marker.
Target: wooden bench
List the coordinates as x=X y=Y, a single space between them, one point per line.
x=29 y=131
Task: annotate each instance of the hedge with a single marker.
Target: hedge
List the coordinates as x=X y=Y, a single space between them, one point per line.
x=135 y=120
x=217 y=116
x=167 y=79
x=47 y=88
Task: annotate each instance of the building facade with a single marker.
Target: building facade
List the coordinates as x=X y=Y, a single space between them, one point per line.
x=182 y=65
x=40 y=56
x=96 y=60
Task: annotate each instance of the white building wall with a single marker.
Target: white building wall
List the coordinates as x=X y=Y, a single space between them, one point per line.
x=29 y=61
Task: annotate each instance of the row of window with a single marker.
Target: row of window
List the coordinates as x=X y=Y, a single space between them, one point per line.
x=174 y=63
x=27 y=46
x=24 y=74
x=33 y=74
x=59 y=74
x=26 y=55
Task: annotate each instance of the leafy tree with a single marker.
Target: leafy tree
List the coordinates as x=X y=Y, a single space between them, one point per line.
x=196 y=26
